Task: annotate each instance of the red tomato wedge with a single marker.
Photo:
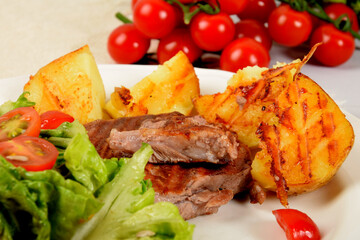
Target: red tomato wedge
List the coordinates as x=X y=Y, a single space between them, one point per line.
x=31 y=153
x=53 y=119
x=23 y=121
x=297 y=225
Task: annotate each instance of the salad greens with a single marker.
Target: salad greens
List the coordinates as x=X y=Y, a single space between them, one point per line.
x=129 y=211
x=22 y=101
x=83 y=196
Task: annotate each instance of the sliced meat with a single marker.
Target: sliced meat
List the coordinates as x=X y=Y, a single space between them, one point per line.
x=197 y=188
x=177 y=138
x=99 y=131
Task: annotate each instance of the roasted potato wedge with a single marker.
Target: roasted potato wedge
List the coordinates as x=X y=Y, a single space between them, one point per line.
x=302 y=134
x=247 y=101
x=171 y=87
x=71 y=84
x=307 y=145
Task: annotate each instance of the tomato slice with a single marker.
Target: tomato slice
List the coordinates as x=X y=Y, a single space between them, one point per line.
x=31 y=153
x=296 y=224
x=20 y=121
x=53 y=119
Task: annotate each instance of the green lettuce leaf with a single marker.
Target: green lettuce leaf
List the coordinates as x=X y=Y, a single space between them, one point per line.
x=129 y=208
x=22 y=101
x=43 y=205
x=85 y=164
x=6 y=230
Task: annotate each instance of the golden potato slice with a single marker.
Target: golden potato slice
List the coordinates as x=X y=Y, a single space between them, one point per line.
x=71 y=84
x=306 y=147
x=171 y=87
x=302 y=134
x=247 y=101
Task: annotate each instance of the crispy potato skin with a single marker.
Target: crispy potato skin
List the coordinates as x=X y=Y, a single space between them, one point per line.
x=171 y=87
x=71 y=84
x=310 y=141
x=302 y=134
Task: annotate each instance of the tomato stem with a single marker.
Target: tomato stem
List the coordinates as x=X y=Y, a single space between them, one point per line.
x=314 y=8
x=190 y=10
x=122 y=18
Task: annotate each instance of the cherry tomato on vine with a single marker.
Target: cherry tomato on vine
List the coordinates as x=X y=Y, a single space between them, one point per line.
x=258 y=9
x=154 y=18
x=335 y=10
x=297 y=225
x=289 y=27
x=253 y=29
x=20 y=121
x=337 y=47
x=31 y=153
x=53 y=119
x=133 y=3
x=212 y=32
x=187 y=1
x=243 y=52
x=179 y=39
x=127 y=45
x=231 y=6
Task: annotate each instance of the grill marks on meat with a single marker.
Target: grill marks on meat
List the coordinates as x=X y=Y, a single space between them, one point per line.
x=195 y=186
x=177 y=138
x=199 y=189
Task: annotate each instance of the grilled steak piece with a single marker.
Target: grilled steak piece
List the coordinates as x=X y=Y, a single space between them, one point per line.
x=177 y=138
x=196 y=187
x=199 y=189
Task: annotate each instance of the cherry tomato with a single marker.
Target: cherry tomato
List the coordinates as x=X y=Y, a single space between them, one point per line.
x=31 y=153
x=133 y=3
x=231 y=6
x=179 y=39
x=154 y=18
x=212 y=32
x=20 y=121
x=127 y=45
x=187 y=1
x=288 y=26
x=253 y=29
x=258 y=9
x=337 y=47
x=297 y=225
x=53 y=119
x=335 y=10
x=179 y=16
x=243 y=52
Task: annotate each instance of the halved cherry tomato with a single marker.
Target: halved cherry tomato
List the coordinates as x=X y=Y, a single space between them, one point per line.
x=289 y=27
x=20 y=121
x=297 y=225
x=31 y=153
x=53 y=119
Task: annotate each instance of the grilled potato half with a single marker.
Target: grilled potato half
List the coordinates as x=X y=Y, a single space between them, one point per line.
x=71 y=84
x=302 y=134
x=171 y=87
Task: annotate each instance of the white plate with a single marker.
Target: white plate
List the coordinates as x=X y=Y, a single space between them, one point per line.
x=335 y=207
